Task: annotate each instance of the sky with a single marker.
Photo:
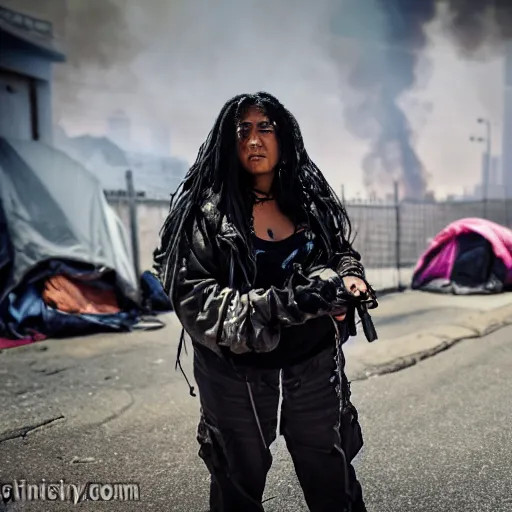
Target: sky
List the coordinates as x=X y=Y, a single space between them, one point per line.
x=174 y=64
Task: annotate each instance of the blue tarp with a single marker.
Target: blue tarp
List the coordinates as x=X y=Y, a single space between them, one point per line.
x=155 y=298
x=28 y=312
x=25 y=311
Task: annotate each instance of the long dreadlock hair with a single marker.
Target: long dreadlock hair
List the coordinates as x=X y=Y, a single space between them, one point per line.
x=300 y=189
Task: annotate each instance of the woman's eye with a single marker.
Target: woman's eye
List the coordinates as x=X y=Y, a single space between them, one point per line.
x=243 y=133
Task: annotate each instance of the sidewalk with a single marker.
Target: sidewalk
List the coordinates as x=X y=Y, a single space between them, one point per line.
x=414 y=325
x=112 y=408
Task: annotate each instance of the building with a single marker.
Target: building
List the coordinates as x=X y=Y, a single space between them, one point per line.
x=28 y=51
x=119 y=131
x=154 y=176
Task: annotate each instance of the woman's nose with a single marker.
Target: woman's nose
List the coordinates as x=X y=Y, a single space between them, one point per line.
x=254 y=141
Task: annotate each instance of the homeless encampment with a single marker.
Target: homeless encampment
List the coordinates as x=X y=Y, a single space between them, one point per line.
x=66 y=266
x=469 y=256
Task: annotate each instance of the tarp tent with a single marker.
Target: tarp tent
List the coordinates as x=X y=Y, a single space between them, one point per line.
x=55 y=220
x=469 y=256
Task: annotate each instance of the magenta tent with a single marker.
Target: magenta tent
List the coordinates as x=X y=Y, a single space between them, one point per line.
x=469 y=256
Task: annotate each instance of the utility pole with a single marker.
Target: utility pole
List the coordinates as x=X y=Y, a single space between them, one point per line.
x=134 y=226
x=486 y=171
x=398 y=234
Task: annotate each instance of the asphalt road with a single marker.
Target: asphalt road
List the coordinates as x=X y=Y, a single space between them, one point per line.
x=438 y=435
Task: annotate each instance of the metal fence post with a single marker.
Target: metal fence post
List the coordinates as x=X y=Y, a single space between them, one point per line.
x=134 y=226
x=398 y=234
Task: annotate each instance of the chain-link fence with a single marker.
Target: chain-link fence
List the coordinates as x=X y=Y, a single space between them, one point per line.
x=390 y=236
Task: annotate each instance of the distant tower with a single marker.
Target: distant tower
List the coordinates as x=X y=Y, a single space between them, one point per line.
x=506 y=165
x=486 y=177
x=119 y=129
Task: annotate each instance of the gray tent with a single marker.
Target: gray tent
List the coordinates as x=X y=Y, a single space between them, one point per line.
x=54 y=209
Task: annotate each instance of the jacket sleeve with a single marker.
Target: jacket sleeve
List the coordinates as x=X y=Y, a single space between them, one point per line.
x=219 y=316
x=348 y=262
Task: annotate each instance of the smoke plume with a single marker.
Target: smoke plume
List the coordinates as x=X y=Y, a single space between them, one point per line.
x=96 y=39
x=387 y=55
x=474 y=23
x=173 y=63
x=390 y=38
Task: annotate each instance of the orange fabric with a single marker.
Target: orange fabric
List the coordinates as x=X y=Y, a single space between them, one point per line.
x=76 y=297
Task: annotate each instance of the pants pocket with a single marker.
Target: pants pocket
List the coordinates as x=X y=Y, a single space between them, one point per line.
x=351 y=434
x=210 y=449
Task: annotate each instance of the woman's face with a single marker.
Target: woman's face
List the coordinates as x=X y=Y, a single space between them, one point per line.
x=258 y=149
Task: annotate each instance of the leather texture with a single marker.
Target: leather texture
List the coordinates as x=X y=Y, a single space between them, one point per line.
x=213 y=298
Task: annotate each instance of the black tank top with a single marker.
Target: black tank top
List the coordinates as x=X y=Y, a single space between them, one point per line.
x=275 y=262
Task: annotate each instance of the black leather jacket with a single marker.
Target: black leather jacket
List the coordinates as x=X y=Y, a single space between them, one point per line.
x=213 y=297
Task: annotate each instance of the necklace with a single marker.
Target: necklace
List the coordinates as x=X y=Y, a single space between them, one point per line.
x=260 y=200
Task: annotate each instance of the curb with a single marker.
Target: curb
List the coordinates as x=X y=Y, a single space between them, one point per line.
x=388 y=291
x=406 y=351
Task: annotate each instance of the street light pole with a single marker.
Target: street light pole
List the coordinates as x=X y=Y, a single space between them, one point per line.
x=487 y=159
x=487 y=165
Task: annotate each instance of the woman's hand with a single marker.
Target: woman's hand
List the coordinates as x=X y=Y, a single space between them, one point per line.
x=341 y=316
x=354 y=285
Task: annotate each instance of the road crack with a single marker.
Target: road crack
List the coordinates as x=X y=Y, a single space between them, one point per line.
x=119 y=413
x=23 y=431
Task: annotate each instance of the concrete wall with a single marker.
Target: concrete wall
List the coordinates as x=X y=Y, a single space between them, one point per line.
x=151 y=216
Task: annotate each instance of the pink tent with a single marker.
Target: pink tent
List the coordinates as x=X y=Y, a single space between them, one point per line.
x=468 y=256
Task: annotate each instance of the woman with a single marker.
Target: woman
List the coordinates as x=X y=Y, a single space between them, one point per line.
x=256 y=258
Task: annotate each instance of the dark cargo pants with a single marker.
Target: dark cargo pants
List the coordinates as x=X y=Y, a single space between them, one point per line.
x=322 y=438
